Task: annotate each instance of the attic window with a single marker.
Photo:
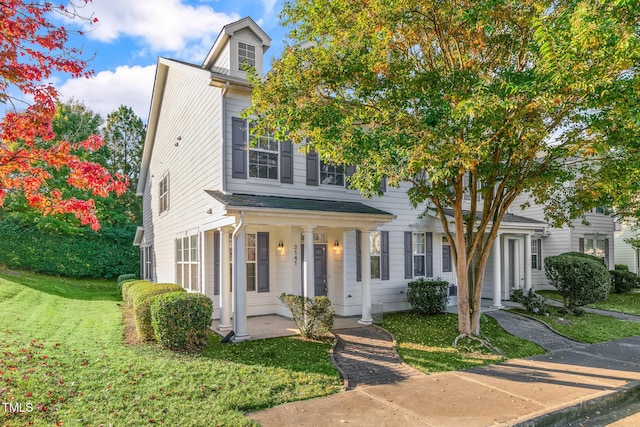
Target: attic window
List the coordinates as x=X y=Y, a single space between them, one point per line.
x=246 y=55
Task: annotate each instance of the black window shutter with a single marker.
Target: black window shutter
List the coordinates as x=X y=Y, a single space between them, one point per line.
x=408 y=255
x=263 y=262
x=539 y=254
x=286 y=162
x=429 y=244
x=349 y=171
x=238 y=148
x=358 y=256
x=606 y=252
x=216 y=263
x=312 y=168
x=383 y=184
x=581 y=245
x=384 y=255
x=142 y=263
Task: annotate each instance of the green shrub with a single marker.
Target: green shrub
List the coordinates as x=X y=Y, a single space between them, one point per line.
x=141 y=299
x=623 y=281
x=531 y=301
x=127 y=288
x=428 y=296
x=181 y=320
x=579 y=279
x=313 y=316
x=125 y=278
x=622 y=267
x=83 y=253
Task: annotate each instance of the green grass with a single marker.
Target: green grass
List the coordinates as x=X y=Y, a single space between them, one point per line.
x=424 y=342
x=62 y=354
x=589 y=328
x=624 y=303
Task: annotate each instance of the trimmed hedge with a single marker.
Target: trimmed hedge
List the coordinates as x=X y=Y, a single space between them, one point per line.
x=107 y=253
x=312 y=316
x=580 y=279
x=125 y=278
x=428 y=296
x=531 y=301
x=623 y=281
x=142 y=297
x=181 y=320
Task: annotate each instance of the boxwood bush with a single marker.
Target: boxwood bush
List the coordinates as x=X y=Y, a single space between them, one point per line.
x=181 y=320
x=141 y=299
x=531 y=301
x=312 y=316
x=428 y=296
x=579 y=279
x=623 y=280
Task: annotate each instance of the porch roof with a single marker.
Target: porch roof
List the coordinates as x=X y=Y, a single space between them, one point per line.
x=508 y=218
x=293 y=203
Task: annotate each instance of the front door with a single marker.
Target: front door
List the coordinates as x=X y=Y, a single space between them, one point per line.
x=319 y=269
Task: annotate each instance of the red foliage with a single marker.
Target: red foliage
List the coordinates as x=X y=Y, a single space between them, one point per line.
x=31 y=49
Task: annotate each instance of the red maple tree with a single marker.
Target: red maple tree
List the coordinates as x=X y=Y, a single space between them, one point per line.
x=32 y=47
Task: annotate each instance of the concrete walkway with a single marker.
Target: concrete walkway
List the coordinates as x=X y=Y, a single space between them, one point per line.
x=546 y=389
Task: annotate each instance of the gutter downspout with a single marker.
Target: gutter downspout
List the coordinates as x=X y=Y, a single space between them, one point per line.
x=239 y=282
x=223 y=157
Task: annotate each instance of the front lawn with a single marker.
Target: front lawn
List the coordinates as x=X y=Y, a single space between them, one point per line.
x=589 y=328
x=625 y=303
x=424 y=342
x=62 y=360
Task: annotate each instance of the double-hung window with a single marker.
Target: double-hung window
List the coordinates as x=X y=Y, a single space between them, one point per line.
x=534 y=254
x=252 y=270
x=419 y=254
x=187 y=264
x=595 y=247
x=163 y=193
x=331 y=174
x=263 y=157
x=246 y=55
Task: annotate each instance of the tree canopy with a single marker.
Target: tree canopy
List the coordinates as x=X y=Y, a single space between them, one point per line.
x=33 y=48
x=475 y=100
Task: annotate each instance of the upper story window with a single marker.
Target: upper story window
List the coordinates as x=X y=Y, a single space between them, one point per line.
x=331 y=174
x=163 y=193
x=263 y=157
x=246 y=55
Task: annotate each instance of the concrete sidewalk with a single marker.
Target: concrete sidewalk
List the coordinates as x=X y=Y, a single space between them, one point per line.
x=506 y=394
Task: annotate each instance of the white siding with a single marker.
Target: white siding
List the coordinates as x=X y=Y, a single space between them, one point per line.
x=186 y=146
x=624 y=252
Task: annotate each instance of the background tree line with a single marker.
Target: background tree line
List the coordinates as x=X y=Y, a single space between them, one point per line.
x=60 y=244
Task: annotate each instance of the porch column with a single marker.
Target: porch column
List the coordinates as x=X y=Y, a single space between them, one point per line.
x=527 y=261
x=240 y=286
x=225 y=282
x=497 y=271
x=366 y=278
x=309 y=271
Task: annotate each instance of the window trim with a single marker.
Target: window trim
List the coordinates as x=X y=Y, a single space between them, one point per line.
x=242 y=59
x=253 y=147
x=416 y=254
x=254 y=262
x=324 y=175
x=373 y=255
x=163 y=193
x=187 y=248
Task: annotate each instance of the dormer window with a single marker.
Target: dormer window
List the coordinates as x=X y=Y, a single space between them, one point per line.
x=246 y=55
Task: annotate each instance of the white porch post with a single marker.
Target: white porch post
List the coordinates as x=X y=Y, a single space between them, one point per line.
x=527 y=261
x=366 y=278
x=309 y=272
x=497 y=272
x=225 y=283
x=240 y=286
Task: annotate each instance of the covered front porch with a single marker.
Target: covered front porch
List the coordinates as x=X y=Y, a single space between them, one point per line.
x=276 y=245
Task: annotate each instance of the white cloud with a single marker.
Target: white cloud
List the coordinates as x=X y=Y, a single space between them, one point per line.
x=162 y=25
x=107 y=90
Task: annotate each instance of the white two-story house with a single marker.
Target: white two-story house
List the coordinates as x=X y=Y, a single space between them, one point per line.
x=244 y=220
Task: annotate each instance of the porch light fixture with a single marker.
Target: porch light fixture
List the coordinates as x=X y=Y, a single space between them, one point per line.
x=280 y=245
x=336 y=245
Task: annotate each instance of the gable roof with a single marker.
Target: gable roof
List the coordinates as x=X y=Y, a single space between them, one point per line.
x=227 y=31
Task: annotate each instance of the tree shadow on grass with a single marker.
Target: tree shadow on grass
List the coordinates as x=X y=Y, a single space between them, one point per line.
x=65 y=287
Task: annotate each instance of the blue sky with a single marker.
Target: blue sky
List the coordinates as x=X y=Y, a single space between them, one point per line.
x=130 y=35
